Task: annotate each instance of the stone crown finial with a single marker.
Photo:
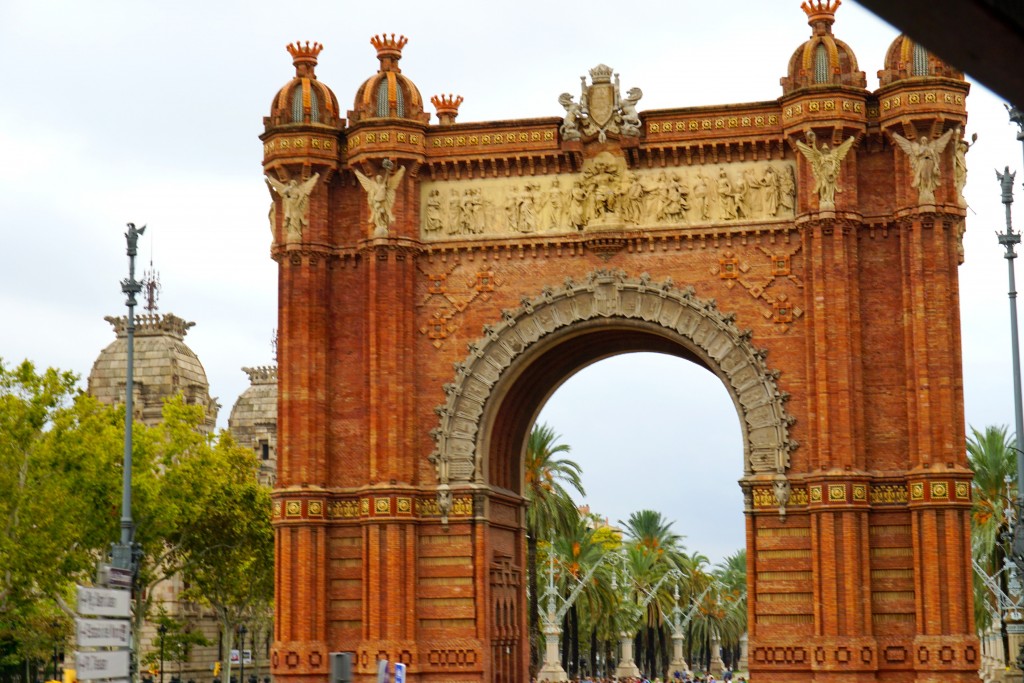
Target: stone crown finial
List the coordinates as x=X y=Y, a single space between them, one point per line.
x=304 y=57
x=821 y=12
x=389 y=50
x=447 y=107
x=602 y=73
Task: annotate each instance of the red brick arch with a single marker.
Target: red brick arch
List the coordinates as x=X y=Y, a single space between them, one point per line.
x=515 y=251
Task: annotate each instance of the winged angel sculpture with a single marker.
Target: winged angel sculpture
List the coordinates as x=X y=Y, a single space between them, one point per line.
x=825 y=163
x=295 y=203
x=380 y=196
x=924 y=155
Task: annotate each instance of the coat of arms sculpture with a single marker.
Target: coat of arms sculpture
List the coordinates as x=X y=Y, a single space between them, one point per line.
x=601 y=109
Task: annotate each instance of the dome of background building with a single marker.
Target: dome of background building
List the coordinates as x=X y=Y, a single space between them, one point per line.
x=907 y=59
x=304 y=99
x=388 y=93
x=253 y=420
x=823 y=60
x=164 y=366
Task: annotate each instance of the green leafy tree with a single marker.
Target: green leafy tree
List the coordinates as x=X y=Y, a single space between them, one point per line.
x=224 y=542
x=179 y=638
x=549 y=506
x=731 y=574
x=60 y=474
x=57 y=479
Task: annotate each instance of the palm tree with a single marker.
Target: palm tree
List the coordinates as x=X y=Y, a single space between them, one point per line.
x=549 y=509
x=696 y=578
x=651 y=531
x=654 y=550
x=992 y=458
x=732 y=575
x=577 y=553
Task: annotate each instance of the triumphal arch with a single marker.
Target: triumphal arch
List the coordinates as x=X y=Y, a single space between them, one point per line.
x=439 y=280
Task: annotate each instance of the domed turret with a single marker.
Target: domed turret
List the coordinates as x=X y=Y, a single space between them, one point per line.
x=906 y=58
x=164 y=366
x=304 y=99
x=253 y=420
x=822 y=61
x=388 y=93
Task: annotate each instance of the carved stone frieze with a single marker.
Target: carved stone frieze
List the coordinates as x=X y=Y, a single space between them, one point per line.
x=697 y=323
x=606 y=195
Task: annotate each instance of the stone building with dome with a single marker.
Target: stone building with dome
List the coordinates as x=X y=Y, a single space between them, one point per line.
x=253 y=421
x=164 y=366
x=437 y=281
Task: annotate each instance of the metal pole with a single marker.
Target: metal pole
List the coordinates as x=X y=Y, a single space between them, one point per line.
x=1009 y=240
x=131 y=287
x=125 y=555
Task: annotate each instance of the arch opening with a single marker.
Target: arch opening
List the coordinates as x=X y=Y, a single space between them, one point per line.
x=499 y=388
x=653 y=431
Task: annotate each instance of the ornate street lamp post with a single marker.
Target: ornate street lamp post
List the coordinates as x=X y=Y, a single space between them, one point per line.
x=126 y=554
x=1009 y=240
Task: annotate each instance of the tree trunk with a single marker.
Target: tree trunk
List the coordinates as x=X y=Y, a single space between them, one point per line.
x=574 y=640
x=565 y=642
x=663 y=652
x=593 y=651
x=531 y=582
x=652 y=653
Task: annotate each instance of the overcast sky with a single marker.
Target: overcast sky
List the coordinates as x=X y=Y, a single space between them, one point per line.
x=116 y=110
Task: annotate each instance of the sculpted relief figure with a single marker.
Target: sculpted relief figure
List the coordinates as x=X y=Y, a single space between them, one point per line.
x=432 y=220
x=787 y=190
x=701 y=201
x=633 y=199
x=577 y=197
x=295 y=204
x=549 y=216
x=960 y=163
x=770 y=190
x=825 y=165
x=380 y=196
x=925 y=162
x=726 y=196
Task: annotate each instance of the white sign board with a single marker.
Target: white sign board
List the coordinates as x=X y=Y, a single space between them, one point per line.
x=109 y=664
x=234 y=657
x=104 y=602
x=104 y=633
x=247 y=656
